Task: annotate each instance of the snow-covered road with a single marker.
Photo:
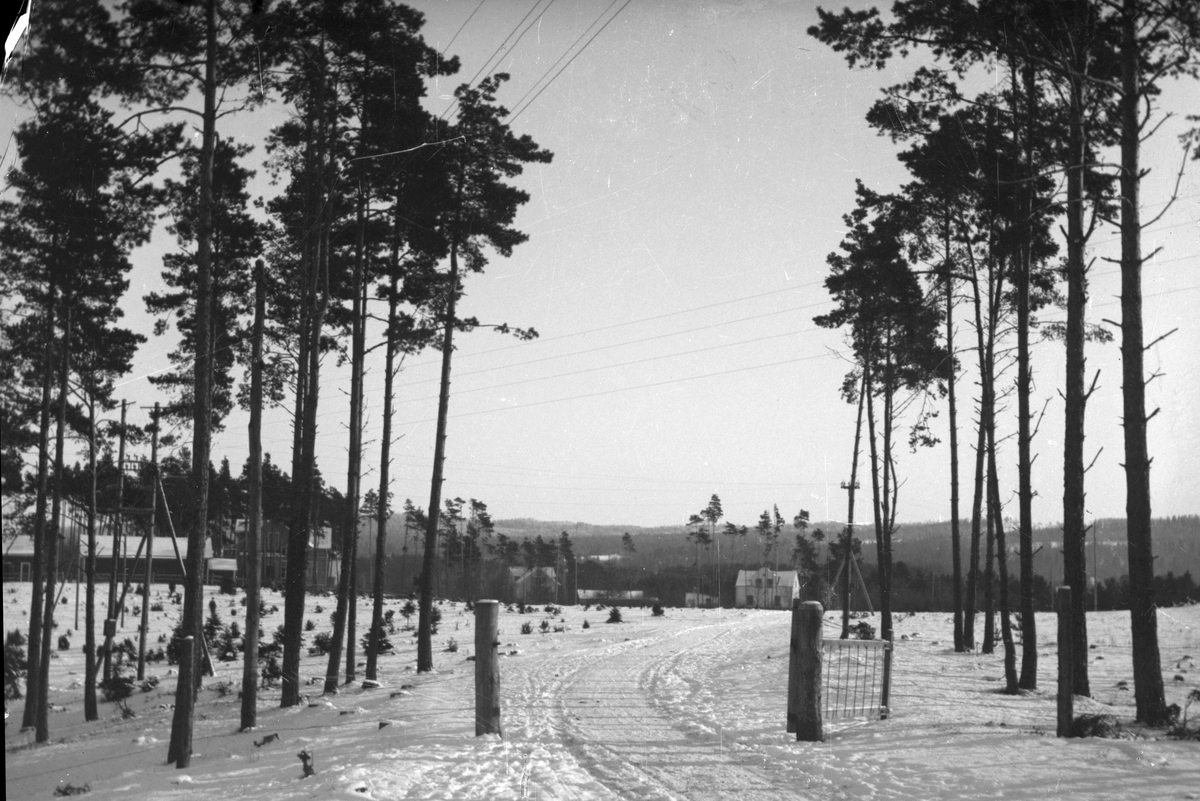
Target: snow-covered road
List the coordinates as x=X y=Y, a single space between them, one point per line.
x=687 y=706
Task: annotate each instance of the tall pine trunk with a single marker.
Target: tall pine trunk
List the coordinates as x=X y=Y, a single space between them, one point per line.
x=42 y=723
x=354 y=456
x=1147 y=668
x=254 y=524
x=425 y=620
x=32 y=681
x=995 y=514
x=955 y=545
x=304 y=507
x=90 y=712
x=888 y=498
x=385 y=458
x=180 y=750
x=971 y=603
x=876 y=500
x=989 y=583
x=1029 y=658
x=1074 y=558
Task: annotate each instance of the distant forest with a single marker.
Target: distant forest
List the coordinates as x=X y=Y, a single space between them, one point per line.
x=663 y=564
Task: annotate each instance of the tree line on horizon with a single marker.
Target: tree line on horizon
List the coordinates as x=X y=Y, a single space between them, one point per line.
x=383 y=211
x=992 y=175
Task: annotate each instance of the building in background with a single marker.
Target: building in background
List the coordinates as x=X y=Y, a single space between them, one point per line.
x=766 y=589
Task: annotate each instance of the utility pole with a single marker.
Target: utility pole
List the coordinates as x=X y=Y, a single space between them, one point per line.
x=145 y=627
x=848 y=556
x=110 y=622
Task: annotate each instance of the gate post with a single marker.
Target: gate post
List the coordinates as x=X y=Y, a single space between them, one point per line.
x=487 y=668
x=804 y=672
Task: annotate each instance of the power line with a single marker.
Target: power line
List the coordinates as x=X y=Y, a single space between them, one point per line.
x=638 y=321
x=602 y=393
x=653 y=318
x=608 y=347
x=565 y=52
x=598 y=348
x=501 y=47
x=513 y=117
x=516 y=470
x=460 y=27
x=645 y=360
x=617 y=390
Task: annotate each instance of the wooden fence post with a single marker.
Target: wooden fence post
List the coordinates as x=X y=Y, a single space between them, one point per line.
x=1066 y=675
x=487 y=668
x=804 y=672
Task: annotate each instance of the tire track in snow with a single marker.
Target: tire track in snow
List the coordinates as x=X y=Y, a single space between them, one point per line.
x=621 y=718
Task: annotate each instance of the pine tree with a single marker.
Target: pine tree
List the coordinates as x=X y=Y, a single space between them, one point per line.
x=480 y=154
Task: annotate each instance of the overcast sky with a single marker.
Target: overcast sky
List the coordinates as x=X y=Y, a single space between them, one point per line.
x=704 y=154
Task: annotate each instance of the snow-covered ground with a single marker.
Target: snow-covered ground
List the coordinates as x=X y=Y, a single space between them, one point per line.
x=690 y=705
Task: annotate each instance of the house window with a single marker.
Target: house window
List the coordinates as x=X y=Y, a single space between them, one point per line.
x=749 y=600
x=758 y=582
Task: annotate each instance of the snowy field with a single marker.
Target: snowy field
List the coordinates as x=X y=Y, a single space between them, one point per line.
x=689 y=706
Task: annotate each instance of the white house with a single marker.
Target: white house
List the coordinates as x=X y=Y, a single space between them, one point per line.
x=766 y=589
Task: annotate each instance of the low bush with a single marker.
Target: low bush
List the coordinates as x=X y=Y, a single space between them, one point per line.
x=64 y=642
x=1179 y=729
x=213 y=623
x=125 y=650
x=68 y=789
x=657 y=610
x=175 y=645
x=119 y=687
x=587 y=625
x=1100 y=725
x=15 y=663
x=452 y=646
x=228 y=644
x=385 y=645
x=322 y=643
x=527 y=627
x=614 y=615
x=271 y=671
x=862 y=630
x=545 y=626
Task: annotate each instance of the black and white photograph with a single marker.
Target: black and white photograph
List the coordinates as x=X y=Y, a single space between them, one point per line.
x=601 y=399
